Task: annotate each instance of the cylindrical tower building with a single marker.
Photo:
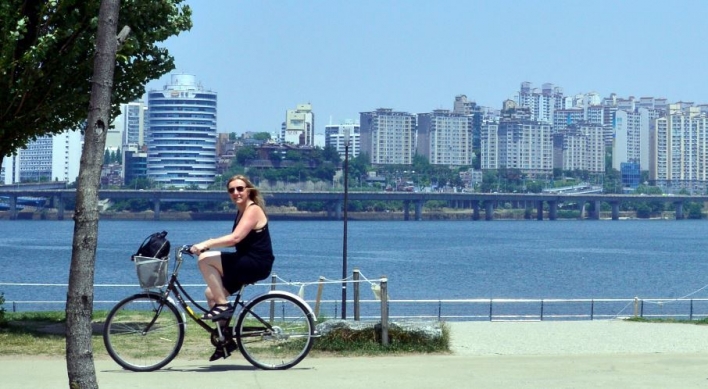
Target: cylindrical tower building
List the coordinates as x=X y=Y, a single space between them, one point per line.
x=182 y=134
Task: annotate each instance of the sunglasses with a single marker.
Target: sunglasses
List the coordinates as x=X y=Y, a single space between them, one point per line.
x=238 y=189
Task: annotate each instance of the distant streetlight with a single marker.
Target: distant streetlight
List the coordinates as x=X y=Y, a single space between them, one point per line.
x=346 y=205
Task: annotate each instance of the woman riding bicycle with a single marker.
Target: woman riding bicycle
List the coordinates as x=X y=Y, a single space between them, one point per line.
x=225 y=272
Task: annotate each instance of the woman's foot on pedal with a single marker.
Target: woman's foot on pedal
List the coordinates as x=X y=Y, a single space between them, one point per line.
x=219 y=311
x=224 y=352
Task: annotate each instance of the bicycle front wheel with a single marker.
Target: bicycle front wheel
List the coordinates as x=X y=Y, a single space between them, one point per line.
x=143 y=332
x=275 y=331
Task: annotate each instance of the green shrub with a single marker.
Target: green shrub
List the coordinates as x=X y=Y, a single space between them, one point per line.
x=368 y=342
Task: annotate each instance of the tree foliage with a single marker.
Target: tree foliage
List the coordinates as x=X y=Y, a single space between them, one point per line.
x=46 y=61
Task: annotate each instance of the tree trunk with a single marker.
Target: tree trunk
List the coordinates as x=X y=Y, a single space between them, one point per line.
x=79 y=302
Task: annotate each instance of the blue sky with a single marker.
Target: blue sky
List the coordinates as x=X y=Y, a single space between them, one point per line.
x=346 y=57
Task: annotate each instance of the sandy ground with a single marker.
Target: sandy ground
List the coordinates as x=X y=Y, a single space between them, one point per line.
x=583 y=354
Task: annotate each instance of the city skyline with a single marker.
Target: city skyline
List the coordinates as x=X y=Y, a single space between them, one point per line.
x=346 y=58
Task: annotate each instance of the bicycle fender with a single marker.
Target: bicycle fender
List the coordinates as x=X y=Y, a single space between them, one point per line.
x=296 y=297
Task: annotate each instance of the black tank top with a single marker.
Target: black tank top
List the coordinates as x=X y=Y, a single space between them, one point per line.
x=256 y=244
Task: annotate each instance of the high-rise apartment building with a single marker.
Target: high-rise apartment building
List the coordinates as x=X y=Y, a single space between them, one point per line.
x=182 y=134
x=462 y=106
x=489 y=146
x=580 y=146
x=299 y=126
x=541 y=103
x=336 y=136
x=631 y=142
x=445 y=138
x=134 y=123
x=680 y=158
x=563 y=118
x=388 y=136
x=48 y=158
x=518 y=142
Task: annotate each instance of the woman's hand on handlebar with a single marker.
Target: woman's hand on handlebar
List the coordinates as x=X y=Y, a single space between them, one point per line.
x=197 y=249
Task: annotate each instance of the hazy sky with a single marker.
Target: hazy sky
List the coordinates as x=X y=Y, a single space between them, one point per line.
x=345 y=57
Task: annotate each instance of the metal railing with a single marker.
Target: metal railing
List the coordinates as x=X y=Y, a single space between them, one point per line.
x=476 y=309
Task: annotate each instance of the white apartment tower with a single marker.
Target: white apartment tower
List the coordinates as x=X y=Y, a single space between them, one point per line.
x=580 y=146
x=389 y=137
x=134 y=115
x=336 y=136
x=182 y=134
x=445 y=138
x=299 y=126
x=489 y=150
x=516 y=143
x=50 y=158
x=631 y=142
x=681 y=150
x=542 y=102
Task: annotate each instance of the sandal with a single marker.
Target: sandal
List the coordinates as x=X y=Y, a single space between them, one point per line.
x=219 y=311
x=224 y=352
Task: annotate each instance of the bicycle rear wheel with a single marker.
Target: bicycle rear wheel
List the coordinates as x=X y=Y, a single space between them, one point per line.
x=143 y=332
x=275 y=331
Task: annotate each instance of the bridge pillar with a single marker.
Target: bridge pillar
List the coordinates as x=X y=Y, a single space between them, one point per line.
x=59 y=200
x=488 y=210
x=156 y=208
x=539 y=210
x=615 y=210
x=419 y=210
x=406 y=214
x=475 y=209
x=13 y=207
x=679 y=210
x=596 y=213
x=552 y=210
x=338 y=209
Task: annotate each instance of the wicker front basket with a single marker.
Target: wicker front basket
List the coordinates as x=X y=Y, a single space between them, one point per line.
x=152 y=272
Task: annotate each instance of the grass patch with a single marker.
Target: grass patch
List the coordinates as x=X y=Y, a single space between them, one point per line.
x=43 y=333
x=703 y=321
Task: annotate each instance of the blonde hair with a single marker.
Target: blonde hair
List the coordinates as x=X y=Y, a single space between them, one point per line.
x=253 y=193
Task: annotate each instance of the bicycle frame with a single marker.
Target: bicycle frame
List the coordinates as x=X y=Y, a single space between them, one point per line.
x=272 y=330
x=175 y=288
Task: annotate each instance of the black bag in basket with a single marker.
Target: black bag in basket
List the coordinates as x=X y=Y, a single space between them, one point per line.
x=155 y=245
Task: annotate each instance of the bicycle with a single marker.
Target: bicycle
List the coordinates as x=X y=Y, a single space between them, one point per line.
x=144 y=332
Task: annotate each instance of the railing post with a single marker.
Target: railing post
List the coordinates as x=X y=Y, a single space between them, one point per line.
x=636 y=306
x=690 y=315
x=490 y=309
x=592 y=309
x=355 y=277
x=273 y=278
x=541 y=309
x=318 y=299
x=384 y=311
x=439 y=309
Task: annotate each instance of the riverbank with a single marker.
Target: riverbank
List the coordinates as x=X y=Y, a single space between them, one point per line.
x=291 y=213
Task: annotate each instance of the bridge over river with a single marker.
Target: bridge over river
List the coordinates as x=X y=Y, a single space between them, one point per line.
x=334 y=200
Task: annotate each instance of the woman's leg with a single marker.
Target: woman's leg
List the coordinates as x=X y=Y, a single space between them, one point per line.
x=210 y=267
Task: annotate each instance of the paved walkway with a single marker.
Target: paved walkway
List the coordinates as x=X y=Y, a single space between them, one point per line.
x=578 y=355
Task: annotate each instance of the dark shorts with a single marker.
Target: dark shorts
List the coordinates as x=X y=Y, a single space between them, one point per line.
x=243 y=269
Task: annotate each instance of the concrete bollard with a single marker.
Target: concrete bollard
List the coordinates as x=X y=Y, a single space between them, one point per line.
x=318 y=300
x=384 y=311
